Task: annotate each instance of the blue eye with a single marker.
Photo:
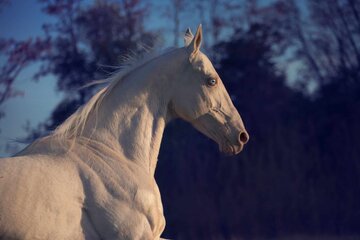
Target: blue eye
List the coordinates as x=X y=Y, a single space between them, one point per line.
x=211 y=82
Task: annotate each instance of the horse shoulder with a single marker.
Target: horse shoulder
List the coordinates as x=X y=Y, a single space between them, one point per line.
x=121 y=200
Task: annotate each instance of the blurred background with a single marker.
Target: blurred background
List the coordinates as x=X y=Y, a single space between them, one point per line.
x=291 y=67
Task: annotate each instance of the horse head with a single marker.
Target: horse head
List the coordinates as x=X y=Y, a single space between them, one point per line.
x=201 y=99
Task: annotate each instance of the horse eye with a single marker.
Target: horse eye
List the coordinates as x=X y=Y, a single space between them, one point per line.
x=211 y=82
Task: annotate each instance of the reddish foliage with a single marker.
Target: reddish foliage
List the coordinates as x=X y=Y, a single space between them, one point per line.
x=71 y=48
x=19 y=54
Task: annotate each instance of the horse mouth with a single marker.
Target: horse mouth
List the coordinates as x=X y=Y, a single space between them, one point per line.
x=231 y=150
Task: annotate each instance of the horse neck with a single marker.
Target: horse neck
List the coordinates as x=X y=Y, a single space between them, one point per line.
x=132 y=117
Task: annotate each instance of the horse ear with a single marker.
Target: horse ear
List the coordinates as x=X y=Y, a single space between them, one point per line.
x=195 y=44
x=188 y=37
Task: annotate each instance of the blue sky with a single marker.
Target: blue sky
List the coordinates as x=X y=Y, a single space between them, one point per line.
x=21 y=20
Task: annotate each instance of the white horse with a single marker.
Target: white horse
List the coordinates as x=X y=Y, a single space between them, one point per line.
x=93 y=178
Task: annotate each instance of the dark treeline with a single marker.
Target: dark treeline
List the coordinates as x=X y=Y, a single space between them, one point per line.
x=293 y=71
x=299 y=174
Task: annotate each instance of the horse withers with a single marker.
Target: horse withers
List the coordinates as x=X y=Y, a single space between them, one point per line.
x=93 y=177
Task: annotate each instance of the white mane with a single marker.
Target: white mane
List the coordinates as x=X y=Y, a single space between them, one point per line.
x=73 y=127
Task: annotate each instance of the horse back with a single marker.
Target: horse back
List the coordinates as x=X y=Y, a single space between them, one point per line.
x=40 y=198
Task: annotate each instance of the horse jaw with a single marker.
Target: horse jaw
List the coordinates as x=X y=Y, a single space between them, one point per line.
x=221 y=132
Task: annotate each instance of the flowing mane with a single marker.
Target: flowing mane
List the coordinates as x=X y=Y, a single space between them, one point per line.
x=73 y=126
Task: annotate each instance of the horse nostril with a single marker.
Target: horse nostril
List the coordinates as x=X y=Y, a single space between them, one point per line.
x=244 y=137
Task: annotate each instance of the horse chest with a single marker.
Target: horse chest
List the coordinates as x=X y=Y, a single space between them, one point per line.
x=149 y=203
x=125 y=204
x=144 y=211
x=144 y=199
x=146 y=202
